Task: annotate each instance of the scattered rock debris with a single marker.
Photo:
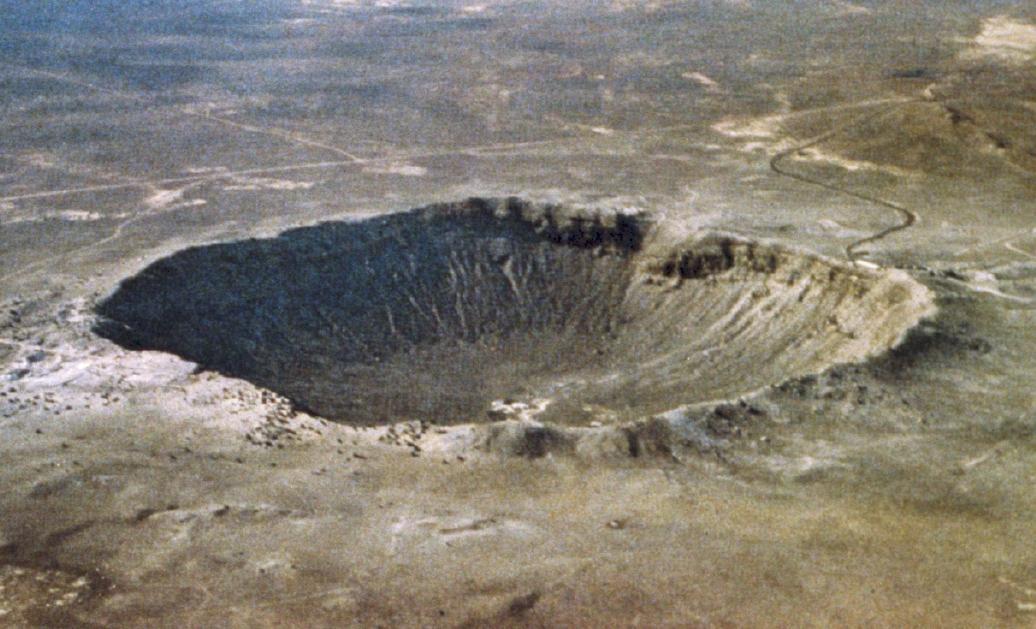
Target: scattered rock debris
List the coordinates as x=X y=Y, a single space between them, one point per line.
x=37 y=596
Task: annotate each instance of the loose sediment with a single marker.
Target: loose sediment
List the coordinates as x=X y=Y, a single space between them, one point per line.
x=440 y=313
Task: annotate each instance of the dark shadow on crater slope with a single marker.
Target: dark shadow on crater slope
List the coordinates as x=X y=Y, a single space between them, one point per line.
x=435 y=313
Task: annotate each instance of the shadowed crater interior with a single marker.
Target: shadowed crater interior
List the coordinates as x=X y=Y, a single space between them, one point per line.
x=438 y=312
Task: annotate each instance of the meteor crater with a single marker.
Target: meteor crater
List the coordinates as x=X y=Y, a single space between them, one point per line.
x=442 y=312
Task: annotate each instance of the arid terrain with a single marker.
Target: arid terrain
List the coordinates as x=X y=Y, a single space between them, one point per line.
x=487 y=313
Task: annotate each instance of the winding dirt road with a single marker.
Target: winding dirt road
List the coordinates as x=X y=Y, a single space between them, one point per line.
x=909 y=217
